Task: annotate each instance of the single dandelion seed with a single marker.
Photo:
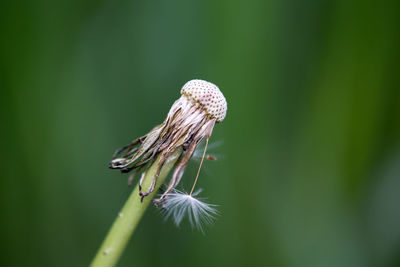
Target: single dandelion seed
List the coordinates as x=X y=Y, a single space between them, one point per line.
x=198 y=154
x=191 y=119
x=178 y=204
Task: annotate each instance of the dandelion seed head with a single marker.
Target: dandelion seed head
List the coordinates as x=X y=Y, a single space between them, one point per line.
x=190 y=120
x=208 y=95
x=180 y=204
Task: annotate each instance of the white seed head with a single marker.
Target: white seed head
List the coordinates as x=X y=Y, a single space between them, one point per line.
x=208 y=95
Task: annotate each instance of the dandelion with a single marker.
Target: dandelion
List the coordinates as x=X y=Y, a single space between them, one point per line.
x=180 y=203
x=191 y=119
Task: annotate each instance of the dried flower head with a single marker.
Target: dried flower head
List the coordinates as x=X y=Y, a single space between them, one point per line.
x=191 y=118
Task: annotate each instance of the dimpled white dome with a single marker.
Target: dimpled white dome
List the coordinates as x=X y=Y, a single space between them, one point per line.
x=208 y=95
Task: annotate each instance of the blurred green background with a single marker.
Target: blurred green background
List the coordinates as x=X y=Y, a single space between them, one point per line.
x=309 y=173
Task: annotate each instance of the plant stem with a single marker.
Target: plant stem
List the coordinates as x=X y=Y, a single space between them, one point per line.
x=130 y=215
x=201 y=163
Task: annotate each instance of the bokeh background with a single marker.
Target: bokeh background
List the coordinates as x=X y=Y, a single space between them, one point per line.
x=309 y=156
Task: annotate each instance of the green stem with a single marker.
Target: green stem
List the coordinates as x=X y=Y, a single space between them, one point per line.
x=130 y=215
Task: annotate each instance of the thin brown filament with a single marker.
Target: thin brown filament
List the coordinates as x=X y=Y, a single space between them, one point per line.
x=201 y=163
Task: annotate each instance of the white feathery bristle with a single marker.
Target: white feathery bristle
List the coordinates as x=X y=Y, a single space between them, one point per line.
x=179 y=204
x=198 y=153
x=208 y=95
